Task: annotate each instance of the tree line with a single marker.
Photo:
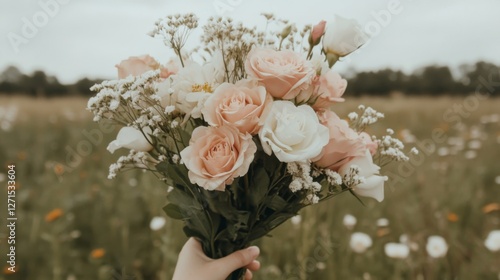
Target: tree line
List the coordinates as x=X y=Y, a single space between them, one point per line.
x=430 y=80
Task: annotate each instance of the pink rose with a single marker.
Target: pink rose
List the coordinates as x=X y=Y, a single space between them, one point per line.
x=330 y=90
x=283 y=73
x=136 y=65
x=217 y=155
x=344 y=145
x=242 y=105
x=371 y=145
x=317 y=31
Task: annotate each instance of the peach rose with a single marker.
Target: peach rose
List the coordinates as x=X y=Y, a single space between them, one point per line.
x=371 y=145
x=330 y=90
x=283 y=73
x=242 y=105
x=136 y=65
x=217 y=155
x=344 y=145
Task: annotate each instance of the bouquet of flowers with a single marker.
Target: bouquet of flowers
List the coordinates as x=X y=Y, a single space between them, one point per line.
x=242 y=128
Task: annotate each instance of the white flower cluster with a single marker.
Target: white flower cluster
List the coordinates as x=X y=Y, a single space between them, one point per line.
x=392 y=148
x=366 y=117
x=111 y=94
x=333 y=177
x=303 y=181
x=370 y=116
x=133 y=160
x=353 y=116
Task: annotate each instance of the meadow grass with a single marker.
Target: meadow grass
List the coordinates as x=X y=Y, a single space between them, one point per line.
x=74 y=223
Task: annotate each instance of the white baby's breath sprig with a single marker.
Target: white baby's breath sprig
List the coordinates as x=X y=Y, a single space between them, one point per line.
x=175 y=30
x=120 y=100
x=391 y=149
x=303 y=181
x=353 y=116
x=134 y=160
x=367 y=117
x=352 y=178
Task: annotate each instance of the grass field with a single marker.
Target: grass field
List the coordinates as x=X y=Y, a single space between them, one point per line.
x=74 y=223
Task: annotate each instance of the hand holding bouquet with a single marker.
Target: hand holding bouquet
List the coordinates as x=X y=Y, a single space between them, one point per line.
x=248 y=137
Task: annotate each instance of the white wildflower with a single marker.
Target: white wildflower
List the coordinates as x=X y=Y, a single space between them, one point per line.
x=157 y=223
x=492 y=242
x=296 y=220
x=349 y=221
x=382 y=222
x=360 y=242
x=436 y=246
x=397 y=250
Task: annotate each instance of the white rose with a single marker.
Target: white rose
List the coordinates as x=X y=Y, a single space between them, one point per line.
x=436 y=246
x=131 y=138
x=373 y=185
x=360 y=242
x=397 y=250
x=293 y=133
x=342 y=37
x=492 y=242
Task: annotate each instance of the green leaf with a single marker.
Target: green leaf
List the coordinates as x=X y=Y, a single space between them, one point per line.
x=240 y=221
x=178 y=173
x=277 y=203
x=162 y=167
x=260 y=185
x=185 y=137
x=173 y=211
x=278 y=220
x=183 y=199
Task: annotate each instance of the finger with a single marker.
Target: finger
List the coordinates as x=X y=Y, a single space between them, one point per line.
x=238 y=259
x=248 y=275
x=254 y=265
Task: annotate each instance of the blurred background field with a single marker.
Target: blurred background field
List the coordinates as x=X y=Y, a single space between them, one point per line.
x=74 y=223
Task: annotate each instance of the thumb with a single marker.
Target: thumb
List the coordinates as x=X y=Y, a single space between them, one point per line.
x=238 y=259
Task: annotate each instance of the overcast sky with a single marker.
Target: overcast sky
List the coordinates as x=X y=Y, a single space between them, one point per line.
x=88 y=37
